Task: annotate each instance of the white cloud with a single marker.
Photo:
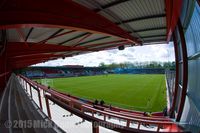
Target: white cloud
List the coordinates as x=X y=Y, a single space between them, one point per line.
x=158 y=52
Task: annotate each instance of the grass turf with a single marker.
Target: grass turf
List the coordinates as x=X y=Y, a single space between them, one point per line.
x=143 y=92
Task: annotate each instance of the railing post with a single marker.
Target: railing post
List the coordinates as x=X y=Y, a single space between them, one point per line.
x=24 y=83
x=138 y=125
x=128 y=123
x=104 y=117
x=39 y=98
x=31 y=92
x=43 y=93
x=48 y=108
x=26 y=86
x=95 y=127
x=158 y=129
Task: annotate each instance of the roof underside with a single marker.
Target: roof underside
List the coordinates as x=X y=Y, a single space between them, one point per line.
x=142 y=20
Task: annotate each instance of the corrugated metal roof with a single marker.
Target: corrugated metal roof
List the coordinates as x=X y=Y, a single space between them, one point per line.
x=64 y=38
x=154 y=38
x=108 y=16
x=138 y=8
x=153 y=32
x=93 y=36
x=148 y=23
x=86 y=4
x=132 y=15
x=39 y=34
x=103 y=41
x=13 y=36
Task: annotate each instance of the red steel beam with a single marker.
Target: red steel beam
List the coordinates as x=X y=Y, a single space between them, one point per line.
x=20 y=49
x=20 y=55
x=62 y=14
x=173 y=11
x=30 y=57
x=22 y=64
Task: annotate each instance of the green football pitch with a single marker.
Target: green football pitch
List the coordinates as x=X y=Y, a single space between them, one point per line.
x=143 y=92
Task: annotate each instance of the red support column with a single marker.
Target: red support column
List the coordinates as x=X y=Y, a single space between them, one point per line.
x=185 y=71
x=48 y=108
x=177 y=76
x=173 y=11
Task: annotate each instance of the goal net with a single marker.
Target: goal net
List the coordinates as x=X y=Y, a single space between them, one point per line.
x=47 y=82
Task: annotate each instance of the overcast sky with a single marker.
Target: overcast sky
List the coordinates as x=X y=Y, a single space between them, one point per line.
x=158 y=52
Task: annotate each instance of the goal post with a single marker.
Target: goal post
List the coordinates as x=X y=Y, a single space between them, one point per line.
x=47 y=82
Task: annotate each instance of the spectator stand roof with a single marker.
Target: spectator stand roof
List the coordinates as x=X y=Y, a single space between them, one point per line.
x=34 y=31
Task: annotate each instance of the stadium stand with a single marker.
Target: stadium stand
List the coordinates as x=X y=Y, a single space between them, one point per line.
x=63 y=71
x=139 y=71
x=73 y=71
x=36 y=31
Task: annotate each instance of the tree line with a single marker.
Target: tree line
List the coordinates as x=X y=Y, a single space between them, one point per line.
x=146 y=64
